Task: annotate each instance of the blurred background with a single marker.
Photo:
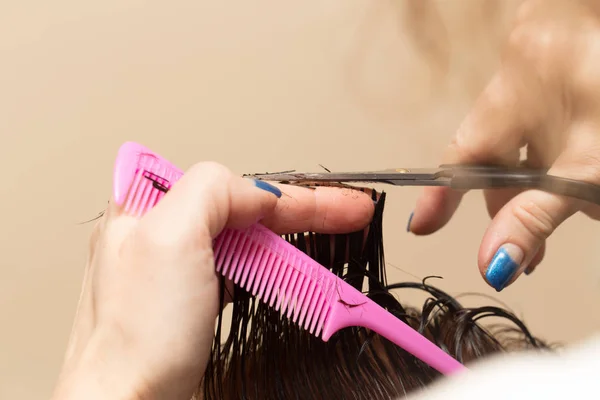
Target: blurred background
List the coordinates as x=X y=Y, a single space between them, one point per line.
x=258 y=86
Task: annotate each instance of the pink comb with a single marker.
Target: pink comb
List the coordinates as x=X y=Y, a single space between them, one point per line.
x=273 y=270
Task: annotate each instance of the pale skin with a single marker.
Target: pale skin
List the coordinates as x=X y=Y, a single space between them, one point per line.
x=546 y=96
x=144 y=324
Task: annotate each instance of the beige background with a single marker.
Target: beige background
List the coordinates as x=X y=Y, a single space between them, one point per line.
x=256 y=85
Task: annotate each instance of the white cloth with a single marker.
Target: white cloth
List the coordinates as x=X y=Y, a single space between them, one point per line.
x=573 y=373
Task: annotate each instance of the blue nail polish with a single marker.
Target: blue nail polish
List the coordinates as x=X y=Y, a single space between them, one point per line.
x=412 y=214
x=268 y=187
x=501 y=270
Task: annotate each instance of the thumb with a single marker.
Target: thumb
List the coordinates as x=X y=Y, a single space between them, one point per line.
x=208 y=198
x=492 y=133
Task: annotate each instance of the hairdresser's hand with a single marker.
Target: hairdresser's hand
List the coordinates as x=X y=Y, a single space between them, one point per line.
x=145 y=321
x=546 y=96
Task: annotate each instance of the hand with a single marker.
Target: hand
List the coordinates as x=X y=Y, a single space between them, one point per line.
x=145 y=320
x=545 y=96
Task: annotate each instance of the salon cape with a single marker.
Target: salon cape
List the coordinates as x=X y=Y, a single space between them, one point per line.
x=573 y=373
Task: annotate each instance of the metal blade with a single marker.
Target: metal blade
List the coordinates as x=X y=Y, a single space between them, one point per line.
x=399 y=176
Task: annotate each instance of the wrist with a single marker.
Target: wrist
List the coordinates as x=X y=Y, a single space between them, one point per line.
x=94 y=376
x=94 y=385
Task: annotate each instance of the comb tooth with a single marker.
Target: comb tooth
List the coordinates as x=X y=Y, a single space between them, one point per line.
x=286 y=278
x=164 y=171
x=283 y=263
x=240 y=253
x=249 y=258
x=325 y=316
x=139 y=204
x=289 y=270
x=223 y=241
x=303 y=300
x=319 y=306
x=254 y=269
x=133 y=190
x=324 y=312
x=293 y=300
x=306 y=320
x=300 y=283
x=153 y=198
x=229 y=254
x=225 y=254
x=288 y=299
x=155 y=193
x=313 y=315
x=251 y=267
x=246 y=258
x=142 y=201
x=141 y=198
x=267 y=276
x=300 y=297
x=275 y=271
x=217 y=247
x=306 y=303
x=259 y=275
x=317 y=312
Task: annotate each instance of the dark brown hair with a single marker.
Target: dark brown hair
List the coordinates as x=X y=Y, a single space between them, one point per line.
x=265 y=356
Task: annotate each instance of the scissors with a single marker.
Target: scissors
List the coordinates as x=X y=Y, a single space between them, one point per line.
x=459 y=177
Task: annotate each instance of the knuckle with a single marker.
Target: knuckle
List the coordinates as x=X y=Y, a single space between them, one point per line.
x=160 y=241
x=581 y=159
x=536 y=221
x=541 y=44
x=209 y=168
x=519 y=37
x=467 y=148
x=590 y=170
x=589 y=165
x=527 y=10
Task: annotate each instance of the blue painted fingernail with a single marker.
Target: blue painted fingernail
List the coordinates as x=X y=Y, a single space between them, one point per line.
x=268 y=187
x=412 y=214
x=504 y=266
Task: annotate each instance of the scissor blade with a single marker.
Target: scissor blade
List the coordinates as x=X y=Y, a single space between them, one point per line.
x=400 y=176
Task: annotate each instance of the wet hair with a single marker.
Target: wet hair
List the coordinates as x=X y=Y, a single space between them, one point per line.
x=266 y=356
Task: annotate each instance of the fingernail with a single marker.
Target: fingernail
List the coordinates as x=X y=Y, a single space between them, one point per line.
x=503 y=266
x=268 y=187
x=412 y=214
x=528 y=270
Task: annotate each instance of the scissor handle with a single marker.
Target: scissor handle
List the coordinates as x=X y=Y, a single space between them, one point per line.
x=464 y=177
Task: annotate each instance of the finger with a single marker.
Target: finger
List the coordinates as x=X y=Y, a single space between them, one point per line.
x=537 y=259
x=519 y=230
x=517 y=233
x=321 y=209
x=498 y=198
x=435 y=207
x=492 y=133
x=592 y=211
x=495 y=199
